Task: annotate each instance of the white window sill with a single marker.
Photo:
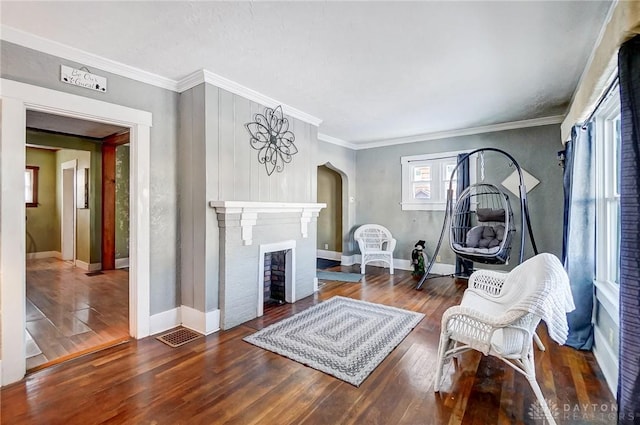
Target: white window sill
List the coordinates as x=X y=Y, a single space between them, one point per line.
x=608 y=295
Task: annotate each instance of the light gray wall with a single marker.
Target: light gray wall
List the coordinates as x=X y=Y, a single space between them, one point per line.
x=217 y=163
x=378 y=173
x=33 y=67
x=235 y=174
x=192 y=199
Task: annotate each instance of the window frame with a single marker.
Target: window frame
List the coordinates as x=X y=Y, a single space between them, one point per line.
x=33 y=171
x=607 y=204
x=439 y=182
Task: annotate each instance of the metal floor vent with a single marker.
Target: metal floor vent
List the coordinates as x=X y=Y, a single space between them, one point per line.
x=178 y=337
x=94 y=273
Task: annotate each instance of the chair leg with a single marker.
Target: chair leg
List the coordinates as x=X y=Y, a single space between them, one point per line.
x=529 y=367
x=362 y=267
x=538 y=341
x=391 y=265
x=442 y=349
x=538 y=392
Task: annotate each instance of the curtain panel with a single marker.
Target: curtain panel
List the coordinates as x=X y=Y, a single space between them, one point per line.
x=579 y=234
x=629 y=362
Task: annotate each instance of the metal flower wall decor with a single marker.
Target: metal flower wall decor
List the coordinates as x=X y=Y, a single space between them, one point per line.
x=271 y=137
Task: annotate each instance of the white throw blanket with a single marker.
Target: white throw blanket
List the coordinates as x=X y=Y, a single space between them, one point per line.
x=548 y=292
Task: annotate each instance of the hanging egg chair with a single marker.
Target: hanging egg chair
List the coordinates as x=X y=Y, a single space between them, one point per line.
x=482 y=225
x=480 y=222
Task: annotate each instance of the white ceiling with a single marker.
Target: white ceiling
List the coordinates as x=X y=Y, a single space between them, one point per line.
x=68 y=125
x=370 y=70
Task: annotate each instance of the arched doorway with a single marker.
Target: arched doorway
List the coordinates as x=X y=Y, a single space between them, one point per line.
x=330 y=225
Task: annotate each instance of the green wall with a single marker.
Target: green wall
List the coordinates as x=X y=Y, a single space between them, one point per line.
x=122 y=201
x=330 y=218
x=43 y=228
x=89 y=154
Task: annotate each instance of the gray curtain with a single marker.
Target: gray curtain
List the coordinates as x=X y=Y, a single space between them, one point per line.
x=629 y=365
x=580 y=231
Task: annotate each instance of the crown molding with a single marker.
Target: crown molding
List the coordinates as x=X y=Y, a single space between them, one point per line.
x=87 y=59
x=91 y=60
x=190 y=81
x=336 y=141
x=535 y=122
x=205 y=76
x=246 y=92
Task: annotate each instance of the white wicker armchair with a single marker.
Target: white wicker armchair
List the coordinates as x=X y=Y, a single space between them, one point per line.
x=376 y=244
x=499 y=313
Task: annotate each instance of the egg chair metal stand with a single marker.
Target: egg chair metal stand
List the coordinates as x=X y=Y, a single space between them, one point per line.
x=481 y=221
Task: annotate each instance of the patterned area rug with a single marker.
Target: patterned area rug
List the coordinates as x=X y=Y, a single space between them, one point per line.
x=342 y=337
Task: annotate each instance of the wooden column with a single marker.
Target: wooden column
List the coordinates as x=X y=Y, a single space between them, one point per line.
x=109 y=145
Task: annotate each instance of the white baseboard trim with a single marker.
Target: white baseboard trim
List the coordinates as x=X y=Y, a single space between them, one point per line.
x=1 y=374
x=400 y=264
x=205 y=323
x=88 y=267
x=348 y=260
x=438 y=268
x=121 y=263
x=164 y=321
x=43 y=254
x=329 y=255
x=444 y=269
x=606 y=359
x=82 y=265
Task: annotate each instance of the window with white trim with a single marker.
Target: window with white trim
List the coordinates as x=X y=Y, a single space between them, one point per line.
x=607 y=163
x=31 y=186
x=425 y=180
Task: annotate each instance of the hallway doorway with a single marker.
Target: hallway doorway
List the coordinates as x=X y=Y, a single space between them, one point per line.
x=68 y=222
x=74 y=306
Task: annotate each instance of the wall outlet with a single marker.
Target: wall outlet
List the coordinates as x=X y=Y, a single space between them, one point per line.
x=326 y=246
x=438 y=258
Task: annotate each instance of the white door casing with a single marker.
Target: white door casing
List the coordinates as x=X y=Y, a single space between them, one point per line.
x=68 y=222
x=15 y=99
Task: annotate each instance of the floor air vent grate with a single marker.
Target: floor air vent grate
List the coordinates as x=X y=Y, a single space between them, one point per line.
x=178 y=337
x=97 y=273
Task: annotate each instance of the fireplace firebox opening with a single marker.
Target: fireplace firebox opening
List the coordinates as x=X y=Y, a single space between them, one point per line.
x=276 y=274
x=275 y=269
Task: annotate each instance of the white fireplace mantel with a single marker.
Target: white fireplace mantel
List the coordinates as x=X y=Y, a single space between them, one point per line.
x=249 y=211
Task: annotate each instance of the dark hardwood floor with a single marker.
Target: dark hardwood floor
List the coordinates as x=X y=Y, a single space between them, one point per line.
x=221 y=379
x=70 y=313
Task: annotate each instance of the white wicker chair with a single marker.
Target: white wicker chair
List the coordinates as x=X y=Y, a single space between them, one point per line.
x=376 y=244
x=499 y=313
